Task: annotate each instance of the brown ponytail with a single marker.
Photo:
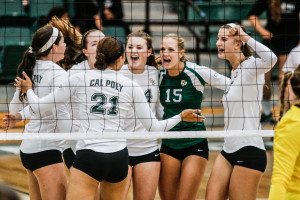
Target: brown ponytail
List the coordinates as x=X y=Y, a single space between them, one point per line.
x=295 y=84
x=275 y=9
x=109 y=49
x=73 y=54
x=27 y=64
x=286 y=77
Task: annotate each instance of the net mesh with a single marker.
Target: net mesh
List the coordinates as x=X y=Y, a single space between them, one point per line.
x=198 y=22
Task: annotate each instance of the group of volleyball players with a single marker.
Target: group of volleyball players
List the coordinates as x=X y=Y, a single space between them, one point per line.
x=102 y=94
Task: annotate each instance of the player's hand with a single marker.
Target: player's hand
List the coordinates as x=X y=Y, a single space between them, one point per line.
x=23 y=84
x=239 y=33
x=192 y=115
x=9 y=121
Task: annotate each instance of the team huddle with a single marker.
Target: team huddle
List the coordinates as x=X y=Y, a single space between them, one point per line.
x=99 y=93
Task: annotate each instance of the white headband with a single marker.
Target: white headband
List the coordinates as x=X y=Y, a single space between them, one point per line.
x=51 y=40
x=232 y=25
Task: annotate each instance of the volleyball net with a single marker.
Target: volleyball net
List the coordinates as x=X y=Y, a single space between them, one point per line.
x=136 y=135
x=197 y=21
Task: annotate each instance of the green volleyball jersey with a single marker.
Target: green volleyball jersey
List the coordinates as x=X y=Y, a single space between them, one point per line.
x=178 y=93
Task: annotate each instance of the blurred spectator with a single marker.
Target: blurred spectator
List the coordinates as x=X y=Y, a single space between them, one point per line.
x=111 y=12
x=91 y=14
x=58 y=11
x=25 y=4
x=86 y=15
x=281 y=35
x=6 y=193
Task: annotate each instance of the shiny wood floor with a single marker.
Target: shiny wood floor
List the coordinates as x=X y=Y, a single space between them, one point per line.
x=13 y=173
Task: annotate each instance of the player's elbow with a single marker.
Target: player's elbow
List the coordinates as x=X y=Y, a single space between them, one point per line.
x=273 y=59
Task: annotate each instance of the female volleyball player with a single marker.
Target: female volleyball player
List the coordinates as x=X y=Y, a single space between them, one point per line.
x=292 y=60
x=89 y=42
x=144 y=158
x=286 y=173
x=73 y=54
x=43 y=159
x=183 y=161
x=74 y=57
x=105 y=96
x=89 y=45
x=239 y=167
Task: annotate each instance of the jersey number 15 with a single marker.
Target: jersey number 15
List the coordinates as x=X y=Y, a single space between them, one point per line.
x=177 y=96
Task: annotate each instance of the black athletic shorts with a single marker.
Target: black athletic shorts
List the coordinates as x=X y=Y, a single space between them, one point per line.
x=69 y=157
x=281 y=45
x=200 y=149
x=111 y=167
x=34 y=161
x=151 y=157
x=249 y=157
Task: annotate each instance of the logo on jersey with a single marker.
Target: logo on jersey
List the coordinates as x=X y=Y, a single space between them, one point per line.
x=216 y=74
x=152 y=81
x=183 y=83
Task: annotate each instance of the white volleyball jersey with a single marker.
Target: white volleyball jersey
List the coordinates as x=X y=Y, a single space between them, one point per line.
x=148 y=81
x=16 y=106
x=105 y=98
x=210 y=77
x=47 y=76
x=242 y=98
x=293 y=60
x=80 y=67
x=73 y=107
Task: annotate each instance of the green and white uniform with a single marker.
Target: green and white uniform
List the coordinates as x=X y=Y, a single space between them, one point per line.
x=185 y=91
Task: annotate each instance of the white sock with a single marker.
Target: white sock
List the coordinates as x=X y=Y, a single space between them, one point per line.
x=266 y=104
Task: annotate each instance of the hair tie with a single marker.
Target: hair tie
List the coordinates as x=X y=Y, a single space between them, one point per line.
x=30 y=49
x=51 y=40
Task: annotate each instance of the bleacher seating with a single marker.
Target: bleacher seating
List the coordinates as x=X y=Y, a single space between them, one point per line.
x=218 y=12
x=11 y=8
x=11 y=58
x=221 y=11
x=115 y=31
x=15 y=36
x=40 y=8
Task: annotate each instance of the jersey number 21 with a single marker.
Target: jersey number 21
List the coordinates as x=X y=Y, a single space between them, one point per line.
x=101 y=101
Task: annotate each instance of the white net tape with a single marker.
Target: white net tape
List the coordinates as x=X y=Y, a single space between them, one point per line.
x=136 y=135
